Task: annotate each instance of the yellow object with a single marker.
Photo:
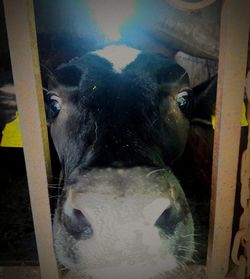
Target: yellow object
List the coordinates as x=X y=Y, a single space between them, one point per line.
x=243 y=117
x=12 y=134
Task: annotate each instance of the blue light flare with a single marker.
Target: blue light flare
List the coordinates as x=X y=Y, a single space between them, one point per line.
x=110 y=15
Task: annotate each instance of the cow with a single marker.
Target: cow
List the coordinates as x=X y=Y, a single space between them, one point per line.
x=119 y=118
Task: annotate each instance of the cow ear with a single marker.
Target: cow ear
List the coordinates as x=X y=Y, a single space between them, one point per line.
x=204 y=100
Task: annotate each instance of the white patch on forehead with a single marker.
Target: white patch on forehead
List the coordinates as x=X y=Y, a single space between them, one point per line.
x=119 y=56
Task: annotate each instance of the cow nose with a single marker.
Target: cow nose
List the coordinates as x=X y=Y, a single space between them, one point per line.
x=171 y=217
x=77 y=225
x=76 y=222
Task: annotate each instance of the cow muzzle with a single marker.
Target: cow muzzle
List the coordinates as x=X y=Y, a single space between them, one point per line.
x=123 y=223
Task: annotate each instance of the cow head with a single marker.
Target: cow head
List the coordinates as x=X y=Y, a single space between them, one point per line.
x=118 y=119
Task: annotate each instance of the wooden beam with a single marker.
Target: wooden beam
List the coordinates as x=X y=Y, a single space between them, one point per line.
x=234 y=37
x=190 y=6
x=26 y=72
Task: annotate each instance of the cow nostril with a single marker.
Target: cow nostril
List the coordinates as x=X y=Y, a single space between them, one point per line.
x=168 y=220
x=77 y=225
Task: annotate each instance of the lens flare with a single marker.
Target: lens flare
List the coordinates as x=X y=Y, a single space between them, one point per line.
x=110 y=15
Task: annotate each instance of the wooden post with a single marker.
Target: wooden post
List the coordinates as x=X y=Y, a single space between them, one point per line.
x=234 y=32
x=20 y=24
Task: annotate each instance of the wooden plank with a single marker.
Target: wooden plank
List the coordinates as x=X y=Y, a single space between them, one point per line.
x=232 y=72
x=26 y=72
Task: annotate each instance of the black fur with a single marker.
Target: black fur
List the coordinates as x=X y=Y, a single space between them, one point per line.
x=120 y=118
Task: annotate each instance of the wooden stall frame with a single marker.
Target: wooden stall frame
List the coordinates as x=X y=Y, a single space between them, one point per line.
x=232 y=71
x=20 y=22
x=234 y=36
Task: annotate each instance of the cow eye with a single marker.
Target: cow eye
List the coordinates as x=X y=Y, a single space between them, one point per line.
x=184 y=101
x=53 y=105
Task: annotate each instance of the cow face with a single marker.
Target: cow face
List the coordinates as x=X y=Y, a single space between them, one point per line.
x=118 y=118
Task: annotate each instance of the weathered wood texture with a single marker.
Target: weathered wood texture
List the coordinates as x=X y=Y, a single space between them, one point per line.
x=231 y=82
x=26 y=71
